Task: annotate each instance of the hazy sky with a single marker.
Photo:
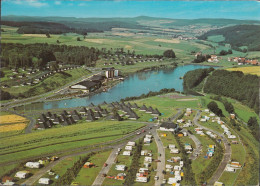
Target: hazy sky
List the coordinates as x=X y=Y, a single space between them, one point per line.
x=122 y=8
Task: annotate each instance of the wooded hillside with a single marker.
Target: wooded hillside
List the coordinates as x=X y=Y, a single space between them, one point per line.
x=244 y=88
x=239 y=35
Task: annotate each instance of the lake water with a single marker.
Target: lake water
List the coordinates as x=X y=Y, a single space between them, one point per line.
x=135 y=85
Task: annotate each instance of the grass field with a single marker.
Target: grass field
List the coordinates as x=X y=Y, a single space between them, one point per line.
x=141 y=44
x=216 y=38
x=255 y=70
x=53 y=140
x=61 y=168
x=86 y=176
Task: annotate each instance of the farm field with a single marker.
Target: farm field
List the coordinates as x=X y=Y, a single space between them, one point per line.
x=12 y=123
x=139 y=43
x=255 y=70
x=53 y=140
x=12 y=118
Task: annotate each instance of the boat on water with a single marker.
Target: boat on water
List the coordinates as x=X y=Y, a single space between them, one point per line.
x=181 y=77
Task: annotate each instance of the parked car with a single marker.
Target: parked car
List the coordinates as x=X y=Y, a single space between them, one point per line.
x=156 y=177
x=171 y=161
x=157 y=160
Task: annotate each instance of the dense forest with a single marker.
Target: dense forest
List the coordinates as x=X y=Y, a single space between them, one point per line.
x=239 y=35
x=244 y=88
x=38 y=55
x=45 y=27
x=193 y=78
x=59 y=27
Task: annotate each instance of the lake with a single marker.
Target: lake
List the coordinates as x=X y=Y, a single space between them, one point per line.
x=135 y=85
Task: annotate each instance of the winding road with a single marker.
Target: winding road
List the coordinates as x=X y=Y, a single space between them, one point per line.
x=227 y=154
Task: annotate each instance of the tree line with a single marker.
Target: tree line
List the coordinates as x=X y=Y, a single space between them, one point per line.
x=37 y=55
x=25 y=27
x=189 y=176
x=72 y=172
x=133 y=169
x=149 y=94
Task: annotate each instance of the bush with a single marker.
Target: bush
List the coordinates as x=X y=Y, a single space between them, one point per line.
x=169 y=54
x=213 y=106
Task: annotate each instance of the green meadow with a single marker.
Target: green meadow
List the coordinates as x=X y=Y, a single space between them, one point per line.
x=53 y=140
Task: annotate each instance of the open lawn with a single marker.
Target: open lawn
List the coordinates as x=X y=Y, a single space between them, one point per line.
x=56 y=140
x=61 y=168
x=86 y=176
x=255 y=70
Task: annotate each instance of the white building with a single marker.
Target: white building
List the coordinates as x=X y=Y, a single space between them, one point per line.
x=141 y=179
x=147 y=140
x=142 y=170
x=127 y=153
x=120 y=167
x=45 y=181
x=128 y=147
x=22 y=174
x=148 y=159
x=33 y=165
x=174 y=151
x=131 y=143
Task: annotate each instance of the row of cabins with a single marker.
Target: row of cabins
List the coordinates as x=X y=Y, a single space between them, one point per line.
x=67 y=118
x=131 y=62
x=142 y=175
x=93 y=113
x=176 y=170
x=244 y=61
x=35 y=80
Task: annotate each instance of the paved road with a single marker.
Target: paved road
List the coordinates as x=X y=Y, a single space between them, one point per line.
x=198 y=145
x=172 y=118
x=160 y=165
x=227 y=154
x=42 y=171
x=111 y=159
